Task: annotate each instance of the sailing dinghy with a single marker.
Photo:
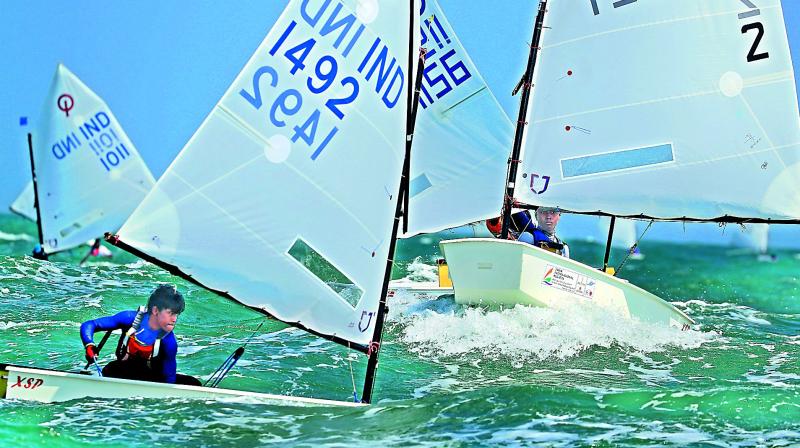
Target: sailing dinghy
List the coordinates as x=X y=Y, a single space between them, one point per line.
x=461 y=143
x=320 y=117
x=752 y=239
x=679 y=111
x=87 y=177
x=461 y=138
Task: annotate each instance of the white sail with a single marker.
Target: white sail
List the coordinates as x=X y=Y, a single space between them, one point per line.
x=754 y=237
x=23 y=204
x=89 y=175
x=624 y=232
x=670 y=109
x=462 y=137
x=285 y=196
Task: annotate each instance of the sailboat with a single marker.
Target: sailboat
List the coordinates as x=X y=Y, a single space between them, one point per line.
x=461 y=143
x=678 y=111
x=461 y=138
x=87 y=176
x=752 y=239
x=320 y=117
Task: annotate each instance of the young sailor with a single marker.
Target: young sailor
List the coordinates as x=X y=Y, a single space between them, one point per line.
x=544 y=233
x=147 y=348
x=541 y=233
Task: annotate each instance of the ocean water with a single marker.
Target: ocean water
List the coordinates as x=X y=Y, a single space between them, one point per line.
x=449 y=375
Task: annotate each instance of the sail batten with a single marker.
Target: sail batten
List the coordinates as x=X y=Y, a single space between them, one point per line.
x=696 y=119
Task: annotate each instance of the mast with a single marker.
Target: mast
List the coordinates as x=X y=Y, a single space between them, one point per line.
x=35 y=191
x=401 y=210
x=525 y=84
x=608 y=242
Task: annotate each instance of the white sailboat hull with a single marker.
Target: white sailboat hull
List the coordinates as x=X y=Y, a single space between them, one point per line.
x=49 y=386
x=419 y=289
x=498 y=272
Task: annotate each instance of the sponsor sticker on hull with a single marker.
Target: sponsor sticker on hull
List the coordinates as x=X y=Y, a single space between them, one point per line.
x=569 y=281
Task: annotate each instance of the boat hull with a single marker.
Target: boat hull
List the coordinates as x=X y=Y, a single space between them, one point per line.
x=49 y=386
x=489 y=271
x=424 y=290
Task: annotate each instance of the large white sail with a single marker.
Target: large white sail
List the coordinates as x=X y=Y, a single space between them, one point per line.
x=23 y=204
x=462 y=137
x=285 y=196
x=670 y=109
x=89 y=175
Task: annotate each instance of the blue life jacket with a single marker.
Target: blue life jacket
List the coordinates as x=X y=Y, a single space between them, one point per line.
x=539 y=238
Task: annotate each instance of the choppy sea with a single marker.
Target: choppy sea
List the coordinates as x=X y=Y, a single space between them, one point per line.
x=449 y=375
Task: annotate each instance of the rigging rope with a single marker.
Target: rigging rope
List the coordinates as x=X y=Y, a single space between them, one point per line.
x=353 y=379
x=226 y=366
x=633 y=248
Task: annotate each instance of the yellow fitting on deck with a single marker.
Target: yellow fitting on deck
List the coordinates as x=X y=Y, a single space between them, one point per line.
x=444 y=274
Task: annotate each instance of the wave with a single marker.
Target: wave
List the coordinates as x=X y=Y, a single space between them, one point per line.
x=443 y=328
x=14 y=236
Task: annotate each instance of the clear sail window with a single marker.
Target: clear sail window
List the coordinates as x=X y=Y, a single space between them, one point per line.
x=419 y=184
x=618 y=160
x=326 y=271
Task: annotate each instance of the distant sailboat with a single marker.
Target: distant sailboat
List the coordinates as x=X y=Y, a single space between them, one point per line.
x=752 y=239
x=679 y=110
x=624 y=236
x=87 y=175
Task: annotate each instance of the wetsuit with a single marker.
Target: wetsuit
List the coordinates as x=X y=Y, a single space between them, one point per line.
x=135 y=358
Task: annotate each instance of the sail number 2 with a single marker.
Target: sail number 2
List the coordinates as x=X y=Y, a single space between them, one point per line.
x=752 y=55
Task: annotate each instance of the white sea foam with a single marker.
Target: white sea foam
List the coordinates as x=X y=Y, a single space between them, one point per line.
x=772 y=375
x=137 y=264
x=524 y=332
x=14 y=236
x=9 y=325
x=419 y=271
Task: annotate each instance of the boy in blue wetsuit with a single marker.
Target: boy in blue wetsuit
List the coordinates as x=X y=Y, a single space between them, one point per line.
x=147 y=348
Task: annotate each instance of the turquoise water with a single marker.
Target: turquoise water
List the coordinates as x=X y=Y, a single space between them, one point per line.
x=449 y=375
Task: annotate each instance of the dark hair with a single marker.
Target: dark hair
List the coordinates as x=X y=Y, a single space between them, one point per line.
x=166 y=297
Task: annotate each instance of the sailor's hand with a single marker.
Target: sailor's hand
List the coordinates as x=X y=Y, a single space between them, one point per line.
x=91 y=353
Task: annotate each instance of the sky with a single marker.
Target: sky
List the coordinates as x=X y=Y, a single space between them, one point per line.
x=161 y=66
